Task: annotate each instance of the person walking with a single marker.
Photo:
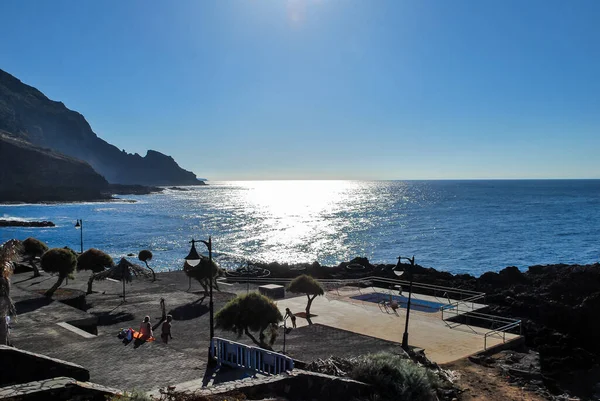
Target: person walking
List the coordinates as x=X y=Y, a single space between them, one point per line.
x=166 y=330
x=288 y=313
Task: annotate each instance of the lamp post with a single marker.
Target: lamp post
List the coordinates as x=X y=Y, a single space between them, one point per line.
x=79 y=226
x=193 y=259
x=398 y=272
x=284 y=332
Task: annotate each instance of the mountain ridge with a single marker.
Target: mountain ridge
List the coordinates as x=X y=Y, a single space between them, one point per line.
x=26 y=113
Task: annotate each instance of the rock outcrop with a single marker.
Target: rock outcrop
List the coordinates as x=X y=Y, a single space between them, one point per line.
x=21 y=223
x=32 y=174
x=27 y=114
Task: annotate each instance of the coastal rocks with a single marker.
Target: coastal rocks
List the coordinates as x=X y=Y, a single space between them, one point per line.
x=20 y=223
x=120 y=189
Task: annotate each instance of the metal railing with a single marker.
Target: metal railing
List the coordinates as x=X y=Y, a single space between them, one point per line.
x=444 y=292
x=506 y=323
x=503 y=330
x=240 y=355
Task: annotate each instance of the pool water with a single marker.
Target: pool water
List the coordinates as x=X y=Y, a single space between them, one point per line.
x=416 y=304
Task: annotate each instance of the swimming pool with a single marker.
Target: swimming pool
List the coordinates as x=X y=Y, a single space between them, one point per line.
x=416 y=304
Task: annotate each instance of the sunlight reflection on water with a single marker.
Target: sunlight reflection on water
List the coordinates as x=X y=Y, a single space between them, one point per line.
x=460 y=226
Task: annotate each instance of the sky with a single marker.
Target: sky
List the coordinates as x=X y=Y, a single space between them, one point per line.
x=325 y=89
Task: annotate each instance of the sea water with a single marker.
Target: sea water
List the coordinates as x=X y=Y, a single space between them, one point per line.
x=457 y=226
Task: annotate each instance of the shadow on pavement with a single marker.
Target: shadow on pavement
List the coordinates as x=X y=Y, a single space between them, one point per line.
x=108 y=319
x=29 y=305
x=217 y=375
x=188 y=311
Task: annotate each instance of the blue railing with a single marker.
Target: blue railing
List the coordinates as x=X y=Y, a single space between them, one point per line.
x=238 y=355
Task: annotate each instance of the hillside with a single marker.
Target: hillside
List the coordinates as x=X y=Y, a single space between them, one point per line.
x=32 y=174
x=27 y=114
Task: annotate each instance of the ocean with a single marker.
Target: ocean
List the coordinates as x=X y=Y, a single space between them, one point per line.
x=456 y=226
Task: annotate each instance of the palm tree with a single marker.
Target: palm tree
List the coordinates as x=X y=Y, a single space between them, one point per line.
x=34 y=248
x=96 y=261
x=8 y=252
x=59 y=260
x=145 y=256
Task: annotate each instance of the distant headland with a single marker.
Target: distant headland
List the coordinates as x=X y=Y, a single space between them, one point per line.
x=50 y=153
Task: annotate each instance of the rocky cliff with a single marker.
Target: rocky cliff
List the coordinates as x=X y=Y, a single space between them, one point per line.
x=27 y=114
x=32 y=174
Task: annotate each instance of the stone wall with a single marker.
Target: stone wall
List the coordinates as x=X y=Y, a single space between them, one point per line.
x=297 y=385
x=20 y=366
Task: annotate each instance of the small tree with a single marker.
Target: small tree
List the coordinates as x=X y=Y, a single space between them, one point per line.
x=306 y=285
x=96 y=261
x=145 y=256
x=61 y=261
x=249 y=312
x=34 y=248
x=202 y=273
x=8 y=253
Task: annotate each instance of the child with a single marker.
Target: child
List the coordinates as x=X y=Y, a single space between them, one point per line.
x=292 y=317
x=166 y=330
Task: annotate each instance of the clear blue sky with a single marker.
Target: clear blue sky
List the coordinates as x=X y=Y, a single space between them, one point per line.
x=286 y=89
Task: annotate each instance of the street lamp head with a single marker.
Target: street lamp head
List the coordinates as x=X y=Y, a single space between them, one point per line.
x=399 y=269
x=78 y=224
x=193 y=258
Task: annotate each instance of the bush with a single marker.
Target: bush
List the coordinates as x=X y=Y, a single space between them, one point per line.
x=61 y=261
x=34 y=247
x=145 y=255
x=396 y=378
x=94 y=260
x=249 y=312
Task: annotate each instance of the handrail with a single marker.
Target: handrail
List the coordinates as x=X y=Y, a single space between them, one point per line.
x=361 y=280
x=239 y=355
x=483 y=316
x=502 y=330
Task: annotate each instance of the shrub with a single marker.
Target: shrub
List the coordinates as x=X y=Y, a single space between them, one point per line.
x=96 y=261
x=61 y=261
x=396 y=378
x=248 y=312
x=34 y=247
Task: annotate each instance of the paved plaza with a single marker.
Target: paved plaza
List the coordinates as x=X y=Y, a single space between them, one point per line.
x=342 y=326
x=427 y=330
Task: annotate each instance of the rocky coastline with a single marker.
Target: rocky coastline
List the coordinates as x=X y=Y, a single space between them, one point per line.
x=558 y=306
x=21 y=223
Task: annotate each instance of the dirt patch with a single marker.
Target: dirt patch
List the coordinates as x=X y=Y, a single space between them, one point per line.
x=487 y=384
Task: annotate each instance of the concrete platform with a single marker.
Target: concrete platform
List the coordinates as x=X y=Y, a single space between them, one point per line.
x=428 y=331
